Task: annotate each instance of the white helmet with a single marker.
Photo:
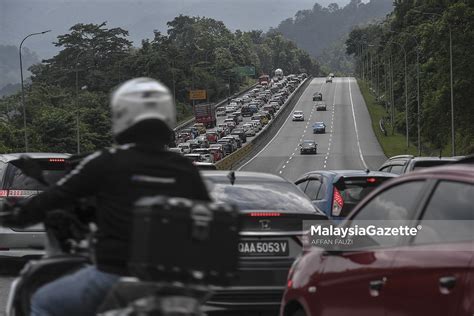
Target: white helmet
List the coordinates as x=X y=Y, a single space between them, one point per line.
x=141 y=99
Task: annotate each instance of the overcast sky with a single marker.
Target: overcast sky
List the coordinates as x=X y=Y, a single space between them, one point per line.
x=21 y=17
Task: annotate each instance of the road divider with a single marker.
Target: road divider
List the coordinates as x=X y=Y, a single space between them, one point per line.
x=239 y=157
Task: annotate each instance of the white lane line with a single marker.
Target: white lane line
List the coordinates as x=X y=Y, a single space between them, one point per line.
x=280 y=172
x=288 y=161
x=355 y=126
x=283 y=166
x=277 y=133
x=293 y=153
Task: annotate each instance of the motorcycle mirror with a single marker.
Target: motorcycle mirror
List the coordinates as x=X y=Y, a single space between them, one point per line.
x=31 y=168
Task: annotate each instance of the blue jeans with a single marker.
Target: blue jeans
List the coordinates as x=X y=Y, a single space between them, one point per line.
x=80 y=293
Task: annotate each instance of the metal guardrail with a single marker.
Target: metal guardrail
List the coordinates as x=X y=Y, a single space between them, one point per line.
x=221 y=103
x=236 y=158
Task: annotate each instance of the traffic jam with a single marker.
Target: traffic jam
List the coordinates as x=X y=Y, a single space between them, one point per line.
x=220 y=131
x=279 y=271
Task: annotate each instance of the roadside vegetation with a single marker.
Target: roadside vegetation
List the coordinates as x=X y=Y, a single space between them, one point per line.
x=420 y=28
x=196 y=53
x=392 y=142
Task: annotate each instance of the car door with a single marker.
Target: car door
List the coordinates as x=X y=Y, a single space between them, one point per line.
x=353 y=278
x=429 y=276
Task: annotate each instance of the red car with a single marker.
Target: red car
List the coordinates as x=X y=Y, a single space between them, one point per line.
x=431 y=273
x=212 y=137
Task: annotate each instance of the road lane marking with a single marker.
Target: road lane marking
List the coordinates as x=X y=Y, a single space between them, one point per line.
x=355 y=126
x=278 y=132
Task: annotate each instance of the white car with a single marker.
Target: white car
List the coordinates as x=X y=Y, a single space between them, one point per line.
x=249 y=129
x=230 y=109
x=220 y=111
x=185 y=148
x=176 y=150
x=298 y=116
x=257 y=124
x=205 y=154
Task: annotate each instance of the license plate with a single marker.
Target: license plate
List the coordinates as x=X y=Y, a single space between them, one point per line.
x=259 y=248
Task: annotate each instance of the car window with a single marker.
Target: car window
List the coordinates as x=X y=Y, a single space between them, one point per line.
x=302 y=185
x=386 y=169
x=398 y=169
x=313 y=188
x=395 y=203
x=418 y=165
x=17 y=180
x=262 y=196
x=393 y=207
x=449 y=215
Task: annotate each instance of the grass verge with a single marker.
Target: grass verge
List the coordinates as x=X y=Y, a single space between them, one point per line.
x=392 y=144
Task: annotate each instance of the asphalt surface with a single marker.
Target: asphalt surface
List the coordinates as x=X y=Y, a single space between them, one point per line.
x=349 y=142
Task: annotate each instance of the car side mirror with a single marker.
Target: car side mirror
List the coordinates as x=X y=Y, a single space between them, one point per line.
x=31 y=168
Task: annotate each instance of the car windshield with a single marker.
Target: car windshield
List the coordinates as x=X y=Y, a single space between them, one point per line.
x=17 y=180
x=353 y=190
x=429 y=163
x=262 y=196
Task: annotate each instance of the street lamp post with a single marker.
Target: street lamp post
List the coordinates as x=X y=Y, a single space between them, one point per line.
x=23 y=88
x=418 y=123
x=78 y=135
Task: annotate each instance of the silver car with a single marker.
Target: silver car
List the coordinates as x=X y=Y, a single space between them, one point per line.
x=15 y=185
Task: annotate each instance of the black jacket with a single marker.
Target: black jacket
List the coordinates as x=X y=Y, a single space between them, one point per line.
x=117 y=177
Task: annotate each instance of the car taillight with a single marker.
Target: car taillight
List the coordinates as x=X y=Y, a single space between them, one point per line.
x=264 y=214
x=371 y=180
x=17 y=193
x=56 y=160
x=337 y=202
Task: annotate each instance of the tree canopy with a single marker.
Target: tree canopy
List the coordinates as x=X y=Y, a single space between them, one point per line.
x=422 y=28
x=196 y=53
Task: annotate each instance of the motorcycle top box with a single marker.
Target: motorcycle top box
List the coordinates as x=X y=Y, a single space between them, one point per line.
x=179 y=240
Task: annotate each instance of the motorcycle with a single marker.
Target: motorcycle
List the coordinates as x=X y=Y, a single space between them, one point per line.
x=165 y=278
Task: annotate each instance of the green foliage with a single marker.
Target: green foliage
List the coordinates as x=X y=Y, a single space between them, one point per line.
x=422 y=28
x=71 y=89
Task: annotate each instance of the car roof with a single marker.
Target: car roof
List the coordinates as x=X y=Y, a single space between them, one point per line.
x=15 y=156
x=434 y=158
x=350 y=173
x=454 y=170
x=248 y=176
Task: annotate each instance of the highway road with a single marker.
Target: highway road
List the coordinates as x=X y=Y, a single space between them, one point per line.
x=349 y=142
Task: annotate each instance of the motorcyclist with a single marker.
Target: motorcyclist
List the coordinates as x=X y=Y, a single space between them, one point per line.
x=143 y=115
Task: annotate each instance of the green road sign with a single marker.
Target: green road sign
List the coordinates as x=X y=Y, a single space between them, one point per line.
x=245 y=70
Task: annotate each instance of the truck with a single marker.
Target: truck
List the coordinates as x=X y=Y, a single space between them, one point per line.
x=279 y=73
x=264 y=80
x=205 y=113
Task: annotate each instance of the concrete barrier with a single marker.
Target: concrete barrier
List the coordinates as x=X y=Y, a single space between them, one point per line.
x=237 y=158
